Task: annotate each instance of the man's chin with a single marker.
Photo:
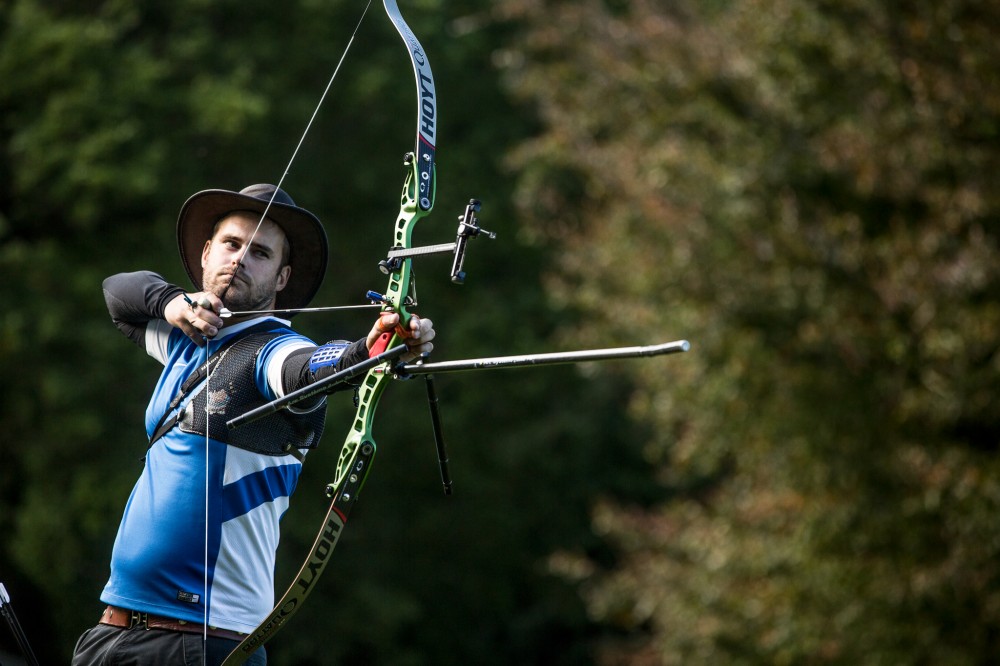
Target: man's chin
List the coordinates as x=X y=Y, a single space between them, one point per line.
x=237 y=304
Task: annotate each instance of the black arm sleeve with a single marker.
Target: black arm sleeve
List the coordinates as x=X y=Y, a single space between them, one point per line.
x=295 y=373
x=133 y=299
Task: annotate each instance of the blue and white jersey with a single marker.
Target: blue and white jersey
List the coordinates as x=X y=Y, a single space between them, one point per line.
x=160 y=556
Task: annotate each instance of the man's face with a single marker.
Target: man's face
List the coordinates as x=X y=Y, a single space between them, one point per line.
x=261 y=275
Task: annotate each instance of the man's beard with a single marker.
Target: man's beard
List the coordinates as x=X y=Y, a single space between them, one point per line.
x=242 y=295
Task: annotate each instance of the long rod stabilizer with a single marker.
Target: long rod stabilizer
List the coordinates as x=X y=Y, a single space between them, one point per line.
x=552 y=358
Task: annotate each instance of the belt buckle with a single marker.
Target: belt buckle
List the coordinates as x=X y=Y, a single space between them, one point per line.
x=137 y=619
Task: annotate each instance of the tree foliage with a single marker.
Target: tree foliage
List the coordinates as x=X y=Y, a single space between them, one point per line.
x=803 y=188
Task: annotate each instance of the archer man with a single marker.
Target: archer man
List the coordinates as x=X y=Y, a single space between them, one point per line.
x=193 y=562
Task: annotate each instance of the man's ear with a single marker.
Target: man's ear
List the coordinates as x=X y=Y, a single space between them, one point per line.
x=283 y=275
x=204 y=253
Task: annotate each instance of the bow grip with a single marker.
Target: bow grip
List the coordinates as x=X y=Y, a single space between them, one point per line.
x=388 y=331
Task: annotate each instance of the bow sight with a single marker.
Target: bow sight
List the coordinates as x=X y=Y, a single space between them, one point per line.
x=468 y=227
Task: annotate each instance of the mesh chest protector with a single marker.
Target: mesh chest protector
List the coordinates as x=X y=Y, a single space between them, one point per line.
x=232 y=392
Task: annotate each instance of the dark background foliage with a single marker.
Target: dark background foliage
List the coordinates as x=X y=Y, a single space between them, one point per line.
x=802 y=188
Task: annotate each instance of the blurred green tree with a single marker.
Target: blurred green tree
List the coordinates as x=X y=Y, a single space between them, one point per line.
x=805 y=190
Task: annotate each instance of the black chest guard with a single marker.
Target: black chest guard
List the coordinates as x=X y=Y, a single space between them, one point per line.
x=232 y=392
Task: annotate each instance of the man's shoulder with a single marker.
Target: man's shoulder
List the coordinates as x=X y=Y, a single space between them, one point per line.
x=272 y=338
x=268 y=328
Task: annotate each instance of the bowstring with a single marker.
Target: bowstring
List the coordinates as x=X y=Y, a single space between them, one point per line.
x=298 y=146
x=239 y=265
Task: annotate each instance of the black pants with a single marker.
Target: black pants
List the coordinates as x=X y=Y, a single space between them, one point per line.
x=105 y=645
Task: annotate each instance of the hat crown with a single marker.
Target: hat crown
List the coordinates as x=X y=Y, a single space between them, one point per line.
x=268 y=194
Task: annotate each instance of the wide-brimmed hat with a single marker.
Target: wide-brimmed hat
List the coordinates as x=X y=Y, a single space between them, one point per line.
x=304 y=232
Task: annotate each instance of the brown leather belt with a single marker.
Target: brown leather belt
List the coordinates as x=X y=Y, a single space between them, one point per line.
x=129 y=619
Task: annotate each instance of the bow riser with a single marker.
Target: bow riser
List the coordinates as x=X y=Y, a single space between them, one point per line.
x=395 y=295
x=359 y=438
x=399 y=279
